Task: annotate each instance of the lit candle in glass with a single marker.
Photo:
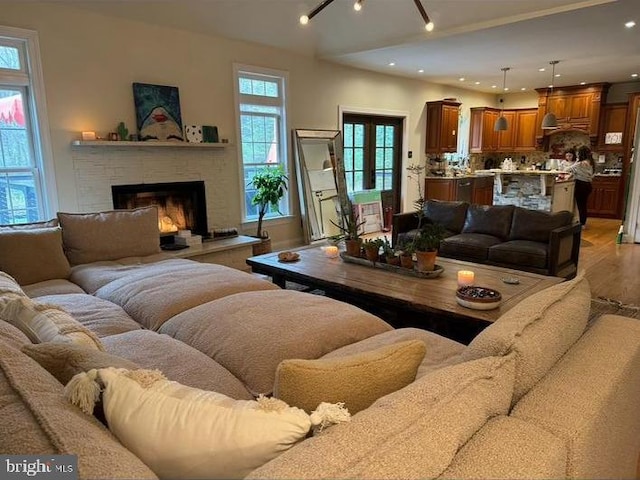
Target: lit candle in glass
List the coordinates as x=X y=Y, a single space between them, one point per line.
x=331 y=251
x=88 y=136
x=465 y=278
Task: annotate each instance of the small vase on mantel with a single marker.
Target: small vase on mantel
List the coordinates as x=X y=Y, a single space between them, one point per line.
x=426 y=261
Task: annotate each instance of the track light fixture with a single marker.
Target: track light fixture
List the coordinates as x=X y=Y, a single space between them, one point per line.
x=357 y=6
x=501 y=123
x=549 y=122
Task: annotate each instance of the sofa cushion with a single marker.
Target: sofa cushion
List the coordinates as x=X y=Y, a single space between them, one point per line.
x=523 y=253
x=251 y=333
x=177 y=361
x=100 y=316
x=184 y=432
x=468 y=246
x=51 y=287
x=441 y=351
x=356 y=380
x=510 y=448
x=536 y=225
x=33 y=255
x=489 y=220
x=539 y=330
x=12 y=335
x=37 y=420
x=91 y=237
x=413 y=433
x=30 y=226
x=450 y=215
x=45 y=323
x=8 y=285
x=64 y=360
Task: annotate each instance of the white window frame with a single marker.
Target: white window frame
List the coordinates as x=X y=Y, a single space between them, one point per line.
x=30 y=80
x=282 y=78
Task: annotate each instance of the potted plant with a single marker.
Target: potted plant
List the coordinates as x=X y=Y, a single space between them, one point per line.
x=350 y=228
x=372 y=249
x=270 y=185
x=426 y=244
x=406 y=255
x=389 y=253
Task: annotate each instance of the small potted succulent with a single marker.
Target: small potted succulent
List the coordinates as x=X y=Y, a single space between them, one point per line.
x=372 y=249
x=426 y=244
x=389 y=253
x=406 y=255
x=350 y=228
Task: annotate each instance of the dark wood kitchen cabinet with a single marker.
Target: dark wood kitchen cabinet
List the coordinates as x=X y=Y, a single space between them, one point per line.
x=604 y=198
x=520 y=135
x=442 y=127
x=464 y=189
x=483 y=190
x=613 y=119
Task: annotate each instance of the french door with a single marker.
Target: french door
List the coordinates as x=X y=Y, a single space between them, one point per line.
x=372 y=155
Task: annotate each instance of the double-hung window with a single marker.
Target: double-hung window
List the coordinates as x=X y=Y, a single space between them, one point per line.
x=23 y=195
x=261 y=113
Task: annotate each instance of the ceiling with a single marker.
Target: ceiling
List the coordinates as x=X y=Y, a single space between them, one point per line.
x=472 y=39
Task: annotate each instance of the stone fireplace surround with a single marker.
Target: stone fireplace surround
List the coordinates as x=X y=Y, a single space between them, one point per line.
x=98 y=168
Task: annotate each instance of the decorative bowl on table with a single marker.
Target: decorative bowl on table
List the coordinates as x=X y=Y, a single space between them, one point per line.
x=478 y=298
x=287 y=257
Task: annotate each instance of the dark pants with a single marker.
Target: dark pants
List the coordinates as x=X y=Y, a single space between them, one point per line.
x=583 y=189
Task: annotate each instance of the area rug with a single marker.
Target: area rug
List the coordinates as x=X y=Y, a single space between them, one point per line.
x=601 y=306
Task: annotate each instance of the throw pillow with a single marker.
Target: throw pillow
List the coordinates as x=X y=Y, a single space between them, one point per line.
x=45 y=323
x=64 y=360
x=357 y=380
x=33 y=255
x=92 y=237
x=9 y=285
x=185 y=432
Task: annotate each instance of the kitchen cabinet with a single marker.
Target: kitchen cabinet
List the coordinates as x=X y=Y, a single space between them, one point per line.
x=604 y=198
x=575 y=107
x=442 y=127
x=449 y=189
x=520 y=135
x=612 y=120
x=483 y=190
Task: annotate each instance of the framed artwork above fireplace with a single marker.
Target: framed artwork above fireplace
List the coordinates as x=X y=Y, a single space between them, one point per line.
x=158 y=114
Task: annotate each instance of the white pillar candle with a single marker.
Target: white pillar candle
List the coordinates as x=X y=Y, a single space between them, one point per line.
x=465 y=278
x=331 y=251
x=88 y=136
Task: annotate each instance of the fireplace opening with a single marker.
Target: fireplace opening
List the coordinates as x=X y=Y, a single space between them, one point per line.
x=181 y=205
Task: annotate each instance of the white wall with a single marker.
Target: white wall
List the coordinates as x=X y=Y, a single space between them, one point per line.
x=90 y=62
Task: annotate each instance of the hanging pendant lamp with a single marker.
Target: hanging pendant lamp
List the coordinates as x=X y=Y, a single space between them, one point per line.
x=549 y=122
x=501 y=123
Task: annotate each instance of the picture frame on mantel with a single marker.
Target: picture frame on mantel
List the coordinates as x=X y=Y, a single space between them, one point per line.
x=158 y=115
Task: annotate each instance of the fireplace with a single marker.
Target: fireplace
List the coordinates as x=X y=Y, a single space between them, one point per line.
x=181 y=205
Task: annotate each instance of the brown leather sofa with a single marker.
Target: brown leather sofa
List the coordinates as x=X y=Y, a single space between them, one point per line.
x=502 y=235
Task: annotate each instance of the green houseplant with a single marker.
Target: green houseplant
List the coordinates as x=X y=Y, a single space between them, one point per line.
x=426 y=244
x=350 y=232
x=270 y=185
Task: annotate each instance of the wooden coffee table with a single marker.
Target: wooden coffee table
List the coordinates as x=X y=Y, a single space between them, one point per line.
x=404 y=300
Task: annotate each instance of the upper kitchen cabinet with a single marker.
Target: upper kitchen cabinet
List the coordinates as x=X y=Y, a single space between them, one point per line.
x=576 y=108
x=613 y=122
x=442 y=127
x=520 y=135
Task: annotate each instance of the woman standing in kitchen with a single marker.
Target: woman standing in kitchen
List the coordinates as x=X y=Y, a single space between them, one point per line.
x=582 y=171
x=569 y=159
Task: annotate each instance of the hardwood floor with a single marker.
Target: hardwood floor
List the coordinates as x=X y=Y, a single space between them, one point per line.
x=613 y=270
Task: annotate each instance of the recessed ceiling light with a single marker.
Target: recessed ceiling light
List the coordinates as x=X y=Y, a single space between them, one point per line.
x=542 y=69
x=476 y=83
x=493 y=86
x=461 y=79
x=557 y=75
x=392 y=64
x=523 y=88
x=421 y=70
x=634 y=75
x=583 y=83
x=630 y=24
x=506 y=89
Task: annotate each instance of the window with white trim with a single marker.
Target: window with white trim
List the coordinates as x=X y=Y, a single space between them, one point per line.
x=261 y=113
x=23 y=197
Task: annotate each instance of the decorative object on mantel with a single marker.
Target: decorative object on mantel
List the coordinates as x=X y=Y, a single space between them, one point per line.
x=270 y=185
x=123 y=132
x=193 y=133
x=158 y=114
x=210 y=134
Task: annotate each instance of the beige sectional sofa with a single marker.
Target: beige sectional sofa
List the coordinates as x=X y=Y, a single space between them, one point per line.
x=539 y=394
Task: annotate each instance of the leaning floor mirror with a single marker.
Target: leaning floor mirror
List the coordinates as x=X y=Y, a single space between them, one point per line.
x=320 y=177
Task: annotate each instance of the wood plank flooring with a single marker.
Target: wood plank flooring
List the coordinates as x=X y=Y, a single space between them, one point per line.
x=613 y=270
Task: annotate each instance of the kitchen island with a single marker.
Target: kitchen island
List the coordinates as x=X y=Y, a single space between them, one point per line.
x=534 y=189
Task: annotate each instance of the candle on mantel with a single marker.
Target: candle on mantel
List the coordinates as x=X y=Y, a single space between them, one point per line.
x=88 y=136
x=465 y=278
x=331 y=251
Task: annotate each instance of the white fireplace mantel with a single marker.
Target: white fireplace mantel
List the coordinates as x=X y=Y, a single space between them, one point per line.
x=152 y=144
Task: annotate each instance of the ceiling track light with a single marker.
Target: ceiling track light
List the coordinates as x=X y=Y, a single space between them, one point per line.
x=501 y=123
x=357 y=6
x=550 y=122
